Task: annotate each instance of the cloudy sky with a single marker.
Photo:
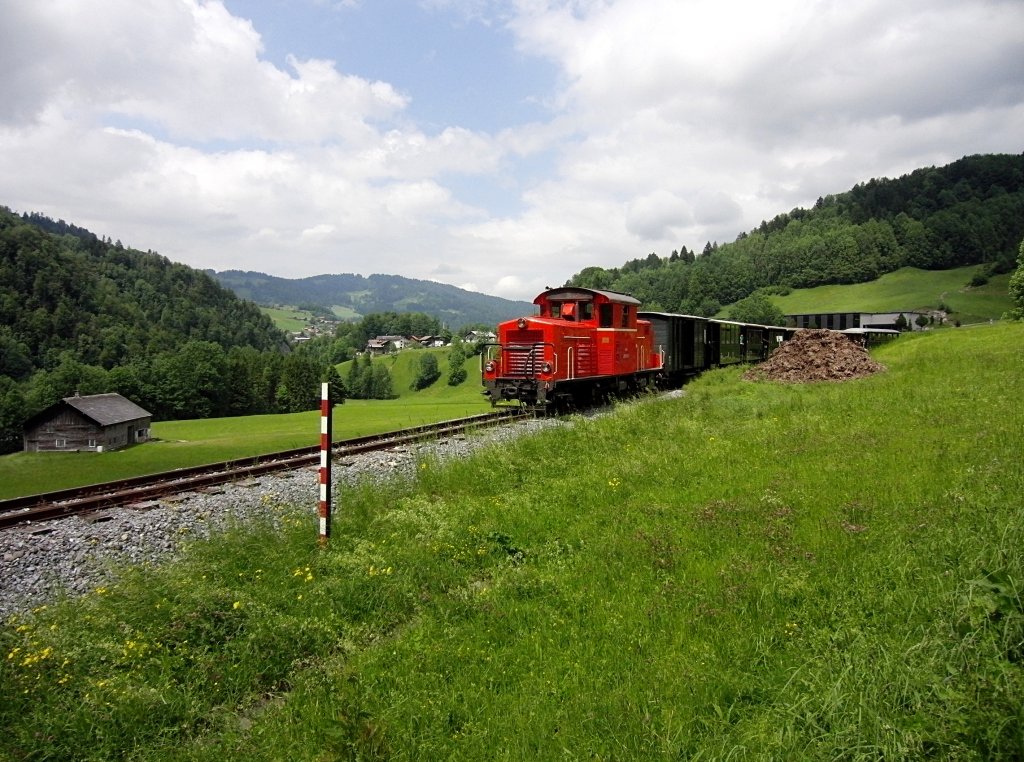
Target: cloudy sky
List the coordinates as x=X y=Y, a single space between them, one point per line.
x=497 y=145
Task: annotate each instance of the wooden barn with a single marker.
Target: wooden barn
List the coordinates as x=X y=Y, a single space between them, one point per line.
x=93 y=423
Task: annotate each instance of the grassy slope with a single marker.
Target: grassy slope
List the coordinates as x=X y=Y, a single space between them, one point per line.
x=344 y=313
x=907 y=289
x=405 y=365
x=287 y=318
x=750 y=571
x=293 y=320
x=189 y=443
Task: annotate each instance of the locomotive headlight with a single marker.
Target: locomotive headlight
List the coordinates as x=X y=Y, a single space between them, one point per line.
x=489 y=367
x=521 y=323
x=546 y=368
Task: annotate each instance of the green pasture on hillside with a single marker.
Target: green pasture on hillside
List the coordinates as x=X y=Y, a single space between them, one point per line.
x=293 y=320
x=908 y=289
x=344 y=313
x=287 y=318
x=748 y=571
x=178 y=444
x=403 y=367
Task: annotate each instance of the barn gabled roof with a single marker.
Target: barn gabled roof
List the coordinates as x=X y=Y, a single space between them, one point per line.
x=107 y=409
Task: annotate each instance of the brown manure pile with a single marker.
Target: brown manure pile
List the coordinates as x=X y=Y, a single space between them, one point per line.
x=815 y=355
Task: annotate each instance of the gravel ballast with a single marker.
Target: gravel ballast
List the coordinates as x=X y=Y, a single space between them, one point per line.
x=77 y=554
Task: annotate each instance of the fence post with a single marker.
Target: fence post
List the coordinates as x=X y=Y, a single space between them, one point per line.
x=325 y=462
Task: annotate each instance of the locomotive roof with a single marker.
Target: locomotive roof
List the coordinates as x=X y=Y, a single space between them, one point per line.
x=576 y=292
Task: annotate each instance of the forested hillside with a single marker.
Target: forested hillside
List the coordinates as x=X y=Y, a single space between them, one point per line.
x=78 y=313
x=64 y=289
x=968 y=212
x=454 y=307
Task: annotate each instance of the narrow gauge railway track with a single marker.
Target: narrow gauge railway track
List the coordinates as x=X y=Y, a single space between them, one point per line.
x=86 y=499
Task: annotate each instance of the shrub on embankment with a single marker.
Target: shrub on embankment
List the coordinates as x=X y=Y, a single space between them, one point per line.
x=751 y=570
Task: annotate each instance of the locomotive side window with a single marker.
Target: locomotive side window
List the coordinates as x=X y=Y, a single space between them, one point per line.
x=605 y=315
x=586 y=310
x=625 y=316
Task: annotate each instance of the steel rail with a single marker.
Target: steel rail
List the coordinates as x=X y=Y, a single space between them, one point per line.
x=77 y=500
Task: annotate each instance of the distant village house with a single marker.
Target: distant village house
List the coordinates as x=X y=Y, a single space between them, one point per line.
x=429 y=341
x=474 y=336
x=383 y=345
x=93 y=423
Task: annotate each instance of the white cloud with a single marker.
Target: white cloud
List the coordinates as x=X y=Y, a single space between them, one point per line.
x=742 y=110
x=657 y=215
x=185 y=68
x=162 y=123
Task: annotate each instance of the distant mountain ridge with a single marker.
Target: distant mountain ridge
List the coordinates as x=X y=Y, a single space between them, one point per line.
x=453 y=306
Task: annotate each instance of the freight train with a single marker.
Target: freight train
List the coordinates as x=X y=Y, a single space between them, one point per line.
x=586 y=345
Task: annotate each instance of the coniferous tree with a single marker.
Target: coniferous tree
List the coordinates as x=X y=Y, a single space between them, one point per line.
x=354 y=380
x=337 y=387
x=380 y=386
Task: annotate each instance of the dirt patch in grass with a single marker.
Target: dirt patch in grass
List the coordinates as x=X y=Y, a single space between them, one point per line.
x=816 y=355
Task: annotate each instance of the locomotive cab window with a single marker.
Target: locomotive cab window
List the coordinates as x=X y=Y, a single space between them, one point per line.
x=625 y=316
x=586 y=310
x=604 y=312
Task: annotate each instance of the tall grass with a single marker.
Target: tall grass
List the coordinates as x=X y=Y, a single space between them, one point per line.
x=751 y=571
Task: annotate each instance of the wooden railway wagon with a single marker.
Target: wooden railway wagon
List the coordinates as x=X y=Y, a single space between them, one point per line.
x=690 y=344
x=681 y=340
x=724 y=343
x=584 y=344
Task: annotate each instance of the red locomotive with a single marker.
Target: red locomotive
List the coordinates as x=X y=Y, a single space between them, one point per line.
x=582 y=346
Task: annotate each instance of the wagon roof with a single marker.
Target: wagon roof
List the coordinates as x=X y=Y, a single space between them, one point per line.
x=107 y=409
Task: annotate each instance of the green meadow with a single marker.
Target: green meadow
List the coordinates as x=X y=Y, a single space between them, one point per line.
x=748 y=571
x=288 y=318
x=179 y=444
x=293 y=320
x=908 y=289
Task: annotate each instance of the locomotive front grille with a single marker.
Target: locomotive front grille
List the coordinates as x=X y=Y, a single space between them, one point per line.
x=522 y=362
x=523 y=353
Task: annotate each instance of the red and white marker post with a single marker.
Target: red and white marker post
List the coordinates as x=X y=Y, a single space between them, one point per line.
x=325 y=462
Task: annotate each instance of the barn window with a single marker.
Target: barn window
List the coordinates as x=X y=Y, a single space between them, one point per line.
x=92 y=443
x=60 y=444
